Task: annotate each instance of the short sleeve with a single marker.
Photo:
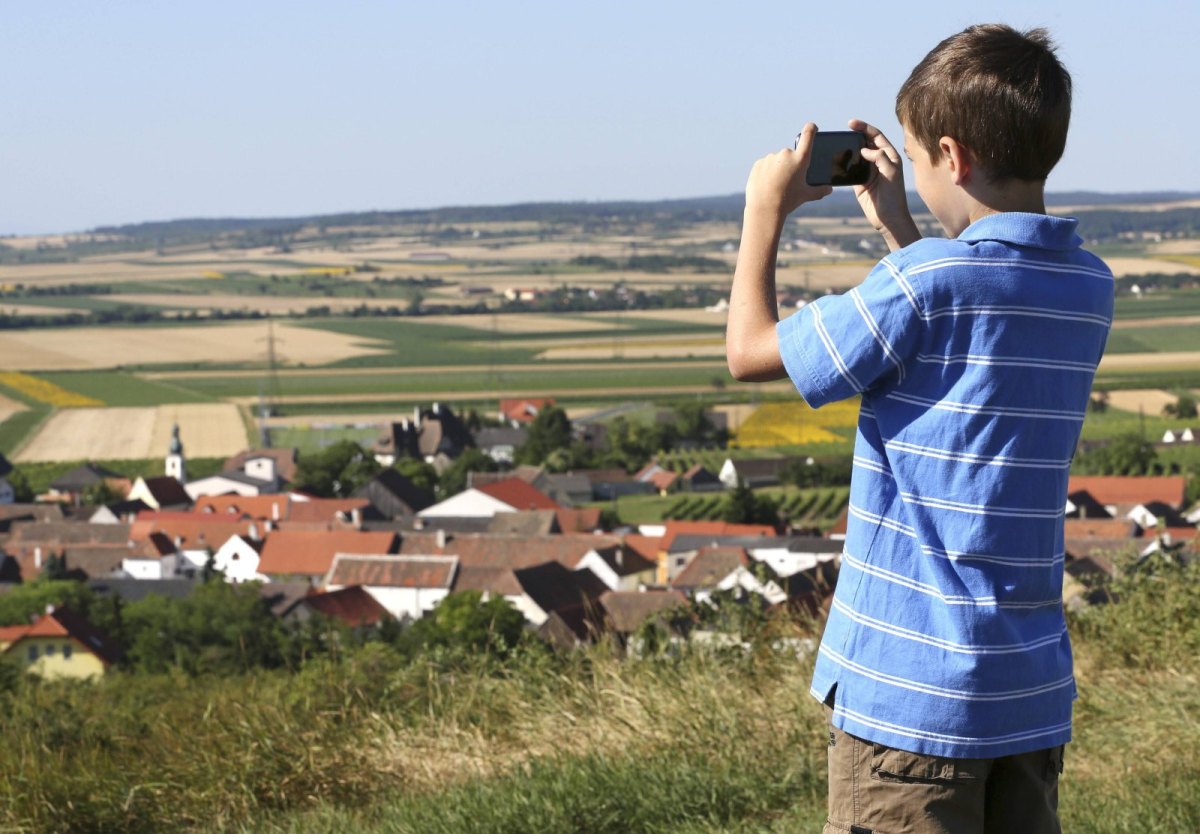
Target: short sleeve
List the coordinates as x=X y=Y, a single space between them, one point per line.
x=843 y=345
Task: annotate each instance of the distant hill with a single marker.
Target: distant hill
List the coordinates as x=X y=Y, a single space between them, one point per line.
x=691 y=209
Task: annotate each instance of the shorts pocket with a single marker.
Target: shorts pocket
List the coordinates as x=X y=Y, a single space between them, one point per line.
x=891 y=765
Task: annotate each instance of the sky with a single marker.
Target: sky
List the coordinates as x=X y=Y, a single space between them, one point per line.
x=122 y=112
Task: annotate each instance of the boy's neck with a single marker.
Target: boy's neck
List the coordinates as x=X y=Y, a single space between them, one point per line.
x=1013 y=195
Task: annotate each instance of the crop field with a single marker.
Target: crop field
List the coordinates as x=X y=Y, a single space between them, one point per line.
x=797 y=424
x=207 y=430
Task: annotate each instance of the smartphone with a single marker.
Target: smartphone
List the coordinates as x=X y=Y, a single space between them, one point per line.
x=837 y=159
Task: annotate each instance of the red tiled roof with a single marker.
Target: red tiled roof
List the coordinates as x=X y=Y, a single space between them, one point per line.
x=323 y=510
x=64 y=623
x=712 y=528
x=500 y=550
x=523 y=410
x=663 y=479
x=393 y=571
x=1098 y=528
x=193 y=529
x=274 y=507
x=578 y=520
x=310 y=553
x=518 y=495
x=1130 y=490
x=10 y=633
x=493 y=580
x=354 y=606
x=1177 y=534
x=646 y=546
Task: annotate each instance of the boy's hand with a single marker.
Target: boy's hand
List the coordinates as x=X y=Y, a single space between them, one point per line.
x=883 y=199
x=776 y=185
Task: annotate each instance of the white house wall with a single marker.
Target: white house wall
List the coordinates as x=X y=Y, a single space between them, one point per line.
x=470 y=503
x=237 y=560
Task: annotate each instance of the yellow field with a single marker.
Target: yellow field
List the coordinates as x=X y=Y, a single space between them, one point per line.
x=795 y=424
x=206 y=429
x=45 y=392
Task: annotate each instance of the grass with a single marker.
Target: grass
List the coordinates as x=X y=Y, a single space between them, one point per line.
x=1168 y=338
x=315 y=438
x=1158 y=304
x=20 y=426
x=117 y=388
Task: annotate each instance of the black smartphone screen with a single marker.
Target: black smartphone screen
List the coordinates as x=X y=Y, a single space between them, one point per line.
x=837 y=159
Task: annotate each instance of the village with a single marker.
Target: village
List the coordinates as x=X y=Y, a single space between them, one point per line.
x=538 y=539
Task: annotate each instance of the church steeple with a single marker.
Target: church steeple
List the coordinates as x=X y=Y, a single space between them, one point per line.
x=176 y=465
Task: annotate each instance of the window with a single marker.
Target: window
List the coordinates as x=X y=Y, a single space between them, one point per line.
x=33 y=653
x=50 y=650
x=67 y=652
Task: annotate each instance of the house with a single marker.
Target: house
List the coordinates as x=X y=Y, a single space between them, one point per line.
x=71 y=547
x=273 y=507
x=407 y=587
x=664 y=481
x=352 y=607
x=752 y=472
x=525 y=523
x=484 y=501
x=155 y=557
x=796 y=554
x=728 y=569
x=43 y=512
x=680 y=540
x=434 y=432
x=308 y=555
x=1151 y=514
x=698 y=478
x=1082 y=504
x=567 y=488
x=626 y=611
x=237 y=559
x=505 y=551
x=161 y=493
x=522 y=412
x=501 y=444
x=550 y=588
x=1119 y=493
x=196 y=535
x=71 y=486
x=61 y=644
x=118 y=512
x=618 y=567
x=394 y=496
x=254 y=462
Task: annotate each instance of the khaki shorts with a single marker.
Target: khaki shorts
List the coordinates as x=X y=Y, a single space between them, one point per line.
x=875 y=789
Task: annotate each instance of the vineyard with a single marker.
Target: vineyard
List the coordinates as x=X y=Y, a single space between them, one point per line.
x=799 y=506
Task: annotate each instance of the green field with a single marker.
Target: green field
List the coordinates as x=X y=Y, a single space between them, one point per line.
x=1168 y=338
x=1158 y=304
x=121 y=388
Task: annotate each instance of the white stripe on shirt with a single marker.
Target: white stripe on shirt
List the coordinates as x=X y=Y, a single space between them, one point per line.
x=971 y=457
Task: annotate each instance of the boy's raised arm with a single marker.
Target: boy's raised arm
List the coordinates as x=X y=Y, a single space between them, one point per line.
x=776 y=188
x=883 y=199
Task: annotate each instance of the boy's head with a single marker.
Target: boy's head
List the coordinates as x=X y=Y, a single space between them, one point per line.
x=1000 y=93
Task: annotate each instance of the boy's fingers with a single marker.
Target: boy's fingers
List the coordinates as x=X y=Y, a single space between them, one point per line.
x=804 y=139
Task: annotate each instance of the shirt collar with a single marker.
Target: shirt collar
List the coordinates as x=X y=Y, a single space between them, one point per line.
x=1040 y=231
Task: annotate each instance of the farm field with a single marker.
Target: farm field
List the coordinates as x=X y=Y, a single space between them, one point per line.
x=207 y=430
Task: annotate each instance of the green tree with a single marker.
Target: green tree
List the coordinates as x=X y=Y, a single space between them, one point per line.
x=336 y=471
x=463 y=621
x=1126 y=454
x=549 y=430
x=743 y=506
x=25 y=601
x=22 y=491
x=1184 y=407
x=422 y=474
x=454 y=479
x=99 y=493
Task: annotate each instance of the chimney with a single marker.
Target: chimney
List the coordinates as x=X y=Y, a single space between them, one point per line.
x=441 y=539
x=416 y=416
x=37 y=558
x=275 y=511
x=437 y=408
x=356 y=517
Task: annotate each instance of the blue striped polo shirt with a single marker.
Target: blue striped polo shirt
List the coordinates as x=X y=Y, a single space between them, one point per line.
x=974 y=358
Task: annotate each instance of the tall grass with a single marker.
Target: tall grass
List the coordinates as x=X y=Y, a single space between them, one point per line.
x=695 y=741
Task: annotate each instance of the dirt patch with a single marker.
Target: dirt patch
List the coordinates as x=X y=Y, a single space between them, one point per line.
x=9 y=407
x=1140 y=266
x=1163 y=321
x=1127 y=361
x=207 y=430
x=80 y=348
x=640 y=349
x=1145 y=400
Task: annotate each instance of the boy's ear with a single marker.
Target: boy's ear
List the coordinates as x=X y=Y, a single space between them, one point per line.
x=957 y=157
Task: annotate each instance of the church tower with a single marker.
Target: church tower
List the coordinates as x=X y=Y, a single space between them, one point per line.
x=176 y=465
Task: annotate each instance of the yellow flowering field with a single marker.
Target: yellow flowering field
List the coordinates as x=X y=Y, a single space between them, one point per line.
x=216 y=276
x=46 y=392
x=329 y=270
x=796 y=424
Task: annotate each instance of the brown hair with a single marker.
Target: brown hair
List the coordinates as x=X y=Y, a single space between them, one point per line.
x=1001 y=93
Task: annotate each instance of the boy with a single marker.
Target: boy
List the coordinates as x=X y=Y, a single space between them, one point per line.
x=945 y=665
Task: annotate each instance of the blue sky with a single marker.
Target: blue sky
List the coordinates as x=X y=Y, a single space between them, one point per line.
x=120 y=112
